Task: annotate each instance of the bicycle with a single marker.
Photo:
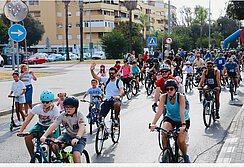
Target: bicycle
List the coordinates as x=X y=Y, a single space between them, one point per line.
x=231 y=87
x=197 y=77
x=42 y=153
x=128 y=90
x=149 y=85
x=93 y=111
x=170 y=153
x=103 y=131
x=188 y=83
x=135 y=86
x=12 y=123
x=209 y=110
x=64 y=152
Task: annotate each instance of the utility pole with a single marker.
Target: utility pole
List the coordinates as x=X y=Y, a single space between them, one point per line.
x=66 y=3
x=209 y=26
x=169 y=48
x=90 y=44
x=81 y=30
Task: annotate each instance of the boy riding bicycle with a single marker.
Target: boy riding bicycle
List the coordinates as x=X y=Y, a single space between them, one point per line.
x=47 y=113
x=74 y=124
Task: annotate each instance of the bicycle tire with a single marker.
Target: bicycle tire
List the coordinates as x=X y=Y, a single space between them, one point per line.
x=115 y=132
x=213 y=112
x=85 y=158
x=186 y=86
x=134 y=87
x=36 y=159
x=167 y=156
x=190 y=85
x=147 y=80
x=128 y=92
x=231 y=91
x=99 y=139
x=196 y=81
x=160 y=136
x=150 y=88
x=200 y=96
x=206 y=114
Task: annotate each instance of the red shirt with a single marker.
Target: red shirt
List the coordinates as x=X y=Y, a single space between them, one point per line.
x=145 y=57
x=161 y=81
x=117 y=67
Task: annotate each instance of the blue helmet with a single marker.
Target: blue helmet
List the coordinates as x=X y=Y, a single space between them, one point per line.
x=47 y=95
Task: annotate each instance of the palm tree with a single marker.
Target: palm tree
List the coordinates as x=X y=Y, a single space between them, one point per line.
x=145 y=23
x=201 y=17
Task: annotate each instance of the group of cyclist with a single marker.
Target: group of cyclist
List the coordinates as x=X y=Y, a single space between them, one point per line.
x=167 y=75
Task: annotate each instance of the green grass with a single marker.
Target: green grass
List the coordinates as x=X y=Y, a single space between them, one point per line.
x=86 y=62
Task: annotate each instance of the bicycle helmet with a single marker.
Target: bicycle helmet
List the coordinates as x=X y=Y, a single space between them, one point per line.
x=47 y=95
x=170 y=82
x=71 y=101
x=210 y=62
x=188 y=63
x=155 y=60
x=102 y=66
x=164 y=67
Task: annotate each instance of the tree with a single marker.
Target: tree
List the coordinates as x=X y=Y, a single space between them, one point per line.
x=186 y=16
x=200 y=18
x=144 y=19
x=3 y=32
x=235 y=10
x=115 y=44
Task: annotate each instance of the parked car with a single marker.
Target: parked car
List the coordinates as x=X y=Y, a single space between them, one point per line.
x=73 y=56
x=86 y=56
x=55 y=57
x=99 y=55
x=35 y=59
x=1 y=61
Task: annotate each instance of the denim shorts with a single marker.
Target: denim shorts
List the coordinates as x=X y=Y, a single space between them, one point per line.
x=28 y=94
x=20 y=99
x=78 y=147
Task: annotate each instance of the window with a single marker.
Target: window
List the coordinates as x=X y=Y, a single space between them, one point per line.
x=34 y=2
x=77 y=25
x=88 y=13
x=59 y=14
x=59 y=2
x=78 y=36
x=86 y=24
x=59 y=25
x=106 y=24
x=60 y=37
x=100 y=34
x=69 y=36
x=87 y=36
x=77 y=13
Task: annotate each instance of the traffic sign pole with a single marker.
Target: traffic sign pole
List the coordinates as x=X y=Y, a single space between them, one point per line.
x=17 y=54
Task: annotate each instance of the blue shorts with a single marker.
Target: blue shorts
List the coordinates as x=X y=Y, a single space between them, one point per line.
x=106 y=106
x=78 y=147
x=28 y=94
x=20 y=99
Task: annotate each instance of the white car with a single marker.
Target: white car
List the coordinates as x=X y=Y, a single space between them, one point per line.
x=1 y=61
x=73 y=56
x=99 y=55
x=86 y=56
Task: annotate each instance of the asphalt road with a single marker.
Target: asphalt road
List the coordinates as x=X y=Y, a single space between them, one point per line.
x=137 y=144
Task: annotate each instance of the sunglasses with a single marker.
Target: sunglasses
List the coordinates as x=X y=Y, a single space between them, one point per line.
x=46 y=102
x=209 y=66
x=68 y=107
x=169 y=89
x=111 y=73
x=164 y=71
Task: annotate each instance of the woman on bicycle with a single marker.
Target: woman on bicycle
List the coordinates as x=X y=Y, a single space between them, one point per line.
x=176 y=115
x=74 y=124
x=126 y=71
x=47 y=112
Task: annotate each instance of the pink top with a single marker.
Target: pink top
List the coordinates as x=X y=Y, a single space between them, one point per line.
x=126 y=71
x=60 y=102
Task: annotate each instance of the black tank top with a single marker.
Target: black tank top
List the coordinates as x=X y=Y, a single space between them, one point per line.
x=210 y=78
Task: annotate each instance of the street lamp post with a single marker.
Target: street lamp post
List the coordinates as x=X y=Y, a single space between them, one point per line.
x=66 y=3
x=209 y=26
x=81 y=30
x=131 y=5
x=169 y=23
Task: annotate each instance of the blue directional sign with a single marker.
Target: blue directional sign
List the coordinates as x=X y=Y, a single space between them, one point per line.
x=152 y=41
x=17 y=32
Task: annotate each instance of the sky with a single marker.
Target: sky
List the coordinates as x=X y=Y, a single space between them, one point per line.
x=217 y=6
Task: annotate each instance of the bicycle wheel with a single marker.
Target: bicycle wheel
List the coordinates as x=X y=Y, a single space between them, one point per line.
x=115 y=132
x=147 y=80
x=160 y=136
x=167 y=156
x=190 y=85
x=150 y=88
x=36 y=158
x=231 y=91
x=85 y=158
x=186 y=86
x=196 y=80
x=128 y=92
x=99 y=139
x=134 y=87
x=206 y=114
x=200 y=96
x=213 y=111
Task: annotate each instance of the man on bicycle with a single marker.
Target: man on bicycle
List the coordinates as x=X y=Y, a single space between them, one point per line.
x=231 y=69
x=176 y=115
x=74 y=124
x=198 y=63
x=114 y=88
x=165 y=71
x=179 y=64
x=220 y=63
x=211 y=79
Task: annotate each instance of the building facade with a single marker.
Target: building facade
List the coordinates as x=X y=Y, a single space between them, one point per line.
x=99 y=17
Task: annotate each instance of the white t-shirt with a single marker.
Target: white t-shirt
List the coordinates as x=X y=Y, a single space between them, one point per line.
x=45 y=119
x=188 y=70
x=17 y=88
x=26 y=78
x=111 y=88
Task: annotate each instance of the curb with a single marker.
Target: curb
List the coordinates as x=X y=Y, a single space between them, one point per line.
x=229 y=138
x=6 y=112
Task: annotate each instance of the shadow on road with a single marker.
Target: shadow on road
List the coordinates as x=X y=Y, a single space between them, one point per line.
x=215 y=131
x=106 y=155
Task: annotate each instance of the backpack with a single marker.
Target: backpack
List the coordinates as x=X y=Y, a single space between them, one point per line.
x=117 y=83
x=178 y=100
x=215 y=72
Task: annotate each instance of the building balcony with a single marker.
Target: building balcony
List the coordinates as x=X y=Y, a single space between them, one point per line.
x=97 y=29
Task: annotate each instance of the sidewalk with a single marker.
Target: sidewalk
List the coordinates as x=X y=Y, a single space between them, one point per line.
x=233 y=149
x=74 y=81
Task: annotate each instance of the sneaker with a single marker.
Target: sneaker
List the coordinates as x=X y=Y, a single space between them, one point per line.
x=217 y=116
x=235 y=93
x=186 y=159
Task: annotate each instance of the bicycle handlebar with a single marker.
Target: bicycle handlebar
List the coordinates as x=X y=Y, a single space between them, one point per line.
x=175 y=130
x=59 y=143
x=11 y=96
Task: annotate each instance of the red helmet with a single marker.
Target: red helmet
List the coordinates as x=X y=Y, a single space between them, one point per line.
x=102 y=65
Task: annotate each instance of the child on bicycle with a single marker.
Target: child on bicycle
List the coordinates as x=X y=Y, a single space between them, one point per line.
x=61 y=97
x=47 y=112
x=74 y=124
x=94 y=91
x=136 y=72
x=189 y=70
x=18 y=88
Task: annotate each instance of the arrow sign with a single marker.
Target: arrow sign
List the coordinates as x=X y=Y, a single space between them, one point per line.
x=152 y=41
x=17 y=32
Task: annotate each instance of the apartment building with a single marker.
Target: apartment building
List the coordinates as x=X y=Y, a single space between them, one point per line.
x=99 y=17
